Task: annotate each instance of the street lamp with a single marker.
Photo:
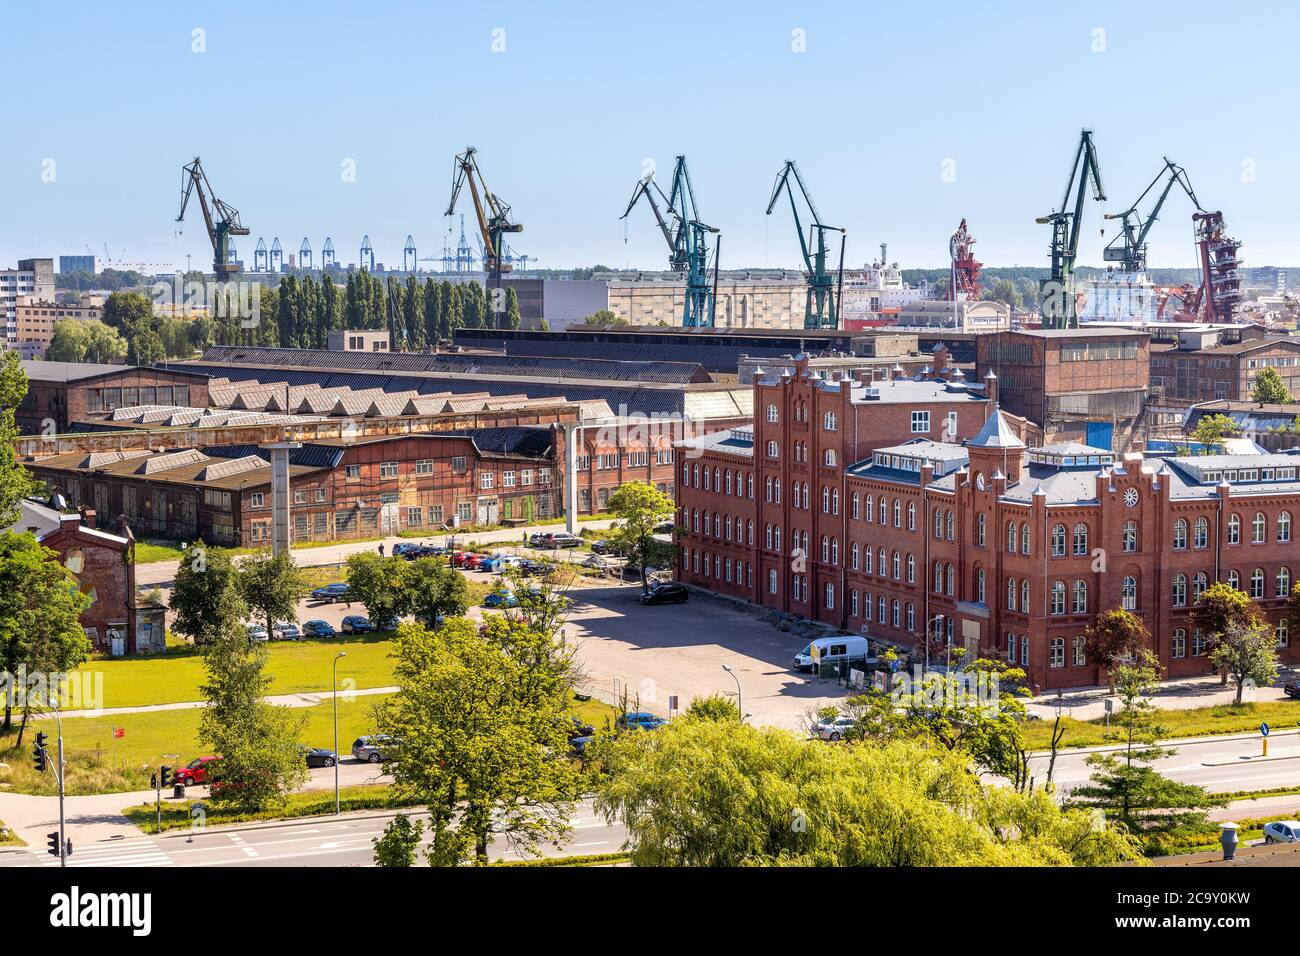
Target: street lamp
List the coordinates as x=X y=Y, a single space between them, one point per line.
x=739 y=703
x=60 y=773
x=934 y=620
x=337 y=809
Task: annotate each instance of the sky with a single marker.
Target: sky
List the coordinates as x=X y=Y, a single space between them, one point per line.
x=904 y=118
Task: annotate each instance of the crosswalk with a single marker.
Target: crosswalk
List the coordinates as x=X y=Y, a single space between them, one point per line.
x=139 y=852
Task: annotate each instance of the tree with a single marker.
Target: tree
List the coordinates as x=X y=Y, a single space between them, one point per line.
x=124 y=310
x=258 y=742
x=378 y=583
x=479 y=722
x=16 y=482
x=144 y=346
x=1211 y=430
x=513 y=317
x=1115 y=636
x=207 y=596
x=712 y=707
x=69 y=342
x=1269 y=389
x=640 y=509
x=605 y=319
x=432 y=590
x=400 y=844
x=40 y=618
x=1222 y=608
x=723 y=793
x=271 y=585
x=1126 y=788
x=1246 y=653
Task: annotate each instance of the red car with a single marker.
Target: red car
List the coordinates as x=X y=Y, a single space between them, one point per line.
x=470 y=560
x=198 y=772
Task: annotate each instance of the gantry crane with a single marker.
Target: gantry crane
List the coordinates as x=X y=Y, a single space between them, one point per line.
x=687 y=238
x=1056 y=293
x=492 y=212
x=1129 y=248
x=221 y=219
x=821 y=308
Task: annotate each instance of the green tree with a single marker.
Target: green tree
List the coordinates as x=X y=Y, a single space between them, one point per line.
x=271 y=585
x=40 y=618
x=430 y=590
x=1211 y=430
x=1126 y=787
x=1246 y=653
x=207 y=597
x=1115 y=636
x=513 y=316
x=479 y=721
x=712 y=707
x=125 y=310
x=433 y=311
x=640 y=508
x=605 y=319
x=16 y=482
x=400 y=843
x=723 y=793
x=258 y=742
x=144 y=346
x=413 y=313
x=69 y=342
x=1269 y=389
x=379 y=584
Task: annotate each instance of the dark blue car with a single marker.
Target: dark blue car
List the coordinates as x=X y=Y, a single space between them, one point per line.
x=640 y=720
x=332 y=593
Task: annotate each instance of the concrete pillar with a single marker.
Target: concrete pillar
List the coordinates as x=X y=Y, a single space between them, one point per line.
x=572 y=438
x=281 y=527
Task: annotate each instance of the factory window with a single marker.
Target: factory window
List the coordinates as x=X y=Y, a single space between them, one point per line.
x=465 y=511
x=507 y=479
x=1284 y=526
x=829 y=422
x=1180 y=534
x=526 y=476
x=1058 y=652
x=424 y=466
x=458 y=464
x=772 y=449
x=1282 y=583
x=771 y=413
x=352 y=471
x=257 y=500
x=487 y=480
x=299 y=496
x=544 y=476
x=920 y=423
x=1201 y=538
x=1080 y=540
x=1080 y=598
x=1258 y=529
x=320 y=493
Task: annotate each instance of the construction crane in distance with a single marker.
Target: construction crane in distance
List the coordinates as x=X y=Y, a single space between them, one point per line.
x=275 y=262
x=687 y=238
x=825 y=291
x=492 y=212
x=409 y=256
x=367 y=258
x=1056 y=293
x=327 y=260
x=304 y=255
x=222 y=220
x=259 y=255
x=1129 y=248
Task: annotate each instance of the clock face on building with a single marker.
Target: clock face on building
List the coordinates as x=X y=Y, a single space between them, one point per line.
x=1131 y=497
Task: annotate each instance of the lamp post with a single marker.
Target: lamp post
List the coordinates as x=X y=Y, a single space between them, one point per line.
x=61 y=773
x=934 y=620
x=337 y=809
x=740 y=709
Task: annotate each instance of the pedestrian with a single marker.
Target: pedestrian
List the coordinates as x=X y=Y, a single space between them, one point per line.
x=381 y=549
x=524 y=543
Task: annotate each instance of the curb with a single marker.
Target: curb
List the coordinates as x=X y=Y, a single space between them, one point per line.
x=178 y=832
x=1242 y=761
x=1171 y=742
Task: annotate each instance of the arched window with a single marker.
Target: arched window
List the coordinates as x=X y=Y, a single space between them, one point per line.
x=835 y=501
x=826 y=548
x=1011 y=594
x=938 y=523
x=1282 y=583
x=776 y=491
x=1199 y=584
x=1080 y=540
x=835 y=550
x=1058 y=597
x=1284 y=526
x=938 y=577
x=777 y=535
x=726 y=476
x=1024 y=538
x=948 y=525
x=855 y=506
x=1130 y=538
x=1201 y=536
x=1257 y=583
x=749 y=529
x=898 y=513
x=1234 y=580
x=1258 y=528
x=829 y=457
x=1058 y=541
x=911 y=569
x=979 y=530
x=1129 y=593
x=1180 y=590
x=911 y=516
x=1024 y=595
x=884 y=510
x=867 y=563
x=1013 y=537
x=979 y=585
x=1079 y=598
x=773 y=450
x=1283 y=633
x=896 y=566
x=1234 y=529
x=1180 y=534
x=882 y=566
x=855 y=559
x=771 y=413
x=951 y=574
x=826 y=499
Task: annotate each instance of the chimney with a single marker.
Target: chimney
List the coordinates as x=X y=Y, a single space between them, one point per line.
x=68 y=522
x=991 y=386
x=940 y=361
x=88 y=516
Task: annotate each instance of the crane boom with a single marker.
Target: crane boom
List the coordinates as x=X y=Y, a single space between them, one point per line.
x=220 y=218
x=821 y=306
x=1130 y=247
x=492 y=213
x=1056 y=293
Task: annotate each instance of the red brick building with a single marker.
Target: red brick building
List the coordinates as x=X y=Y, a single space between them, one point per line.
x=66 y=392
x=989 y=545
x=1205 y=363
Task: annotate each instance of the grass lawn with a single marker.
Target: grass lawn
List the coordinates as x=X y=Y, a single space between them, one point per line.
x=176 y=816
x=149 y=552
x=153 y=738
x=9 y=838
x=297 y=666
x=1195 y=722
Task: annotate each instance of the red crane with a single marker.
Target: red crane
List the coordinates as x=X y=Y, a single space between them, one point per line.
x=964 y=282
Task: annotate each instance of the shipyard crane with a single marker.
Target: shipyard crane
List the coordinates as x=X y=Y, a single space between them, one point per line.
x=259 y=255
x=409 y=256
x=492 y=212
x=1056 y=293
x=825 y=290
x=221 y=219
x=687 y=238
x=275 y=261
x=304 y=255
x=1129 y=248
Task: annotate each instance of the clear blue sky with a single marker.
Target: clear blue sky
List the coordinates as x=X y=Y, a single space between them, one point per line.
x=563 y=118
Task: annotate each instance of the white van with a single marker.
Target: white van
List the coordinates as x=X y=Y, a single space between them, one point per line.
x=831 y=650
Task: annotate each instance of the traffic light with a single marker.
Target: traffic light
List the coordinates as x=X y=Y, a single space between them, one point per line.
x=67 y=847
x=166 y=777
x=52 y=840
x=38 y=753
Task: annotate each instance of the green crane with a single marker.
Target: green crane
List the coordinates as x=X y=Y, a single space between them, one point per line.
x=821 y=307
x=1129 y=248
x=221 y=219
x=687 y=238
x=1056 y=293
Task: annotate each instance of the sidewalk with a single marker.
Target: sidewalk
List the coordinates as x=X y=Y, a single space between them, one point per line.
x=162 y=572
x=310 y=699
x=1087 y=703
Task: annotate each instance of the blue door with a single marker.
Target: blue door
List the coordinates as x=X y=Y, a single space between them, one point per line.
x=1100 y=434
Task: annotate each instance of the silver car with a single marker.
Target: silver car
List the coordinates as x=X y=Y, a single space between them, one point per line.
x=1282 y=831
x=833 y=729
x=371 y=749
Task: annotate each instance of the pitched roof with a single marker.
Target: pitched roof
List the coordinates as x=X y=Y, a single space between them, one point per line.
x=996 y=433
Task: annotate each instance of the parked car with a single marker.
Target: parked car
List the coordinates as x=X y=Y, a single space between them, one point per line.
x=581 y=729
x=833 y=729
x=596 y=563
x=286 y=631
x=501 y=599
x=1282 y=831
x=606 y=547
x=1291 y=688
x=466 y=559
x=831 y=650
x=386 y=624
x=640 y=720
x=319 y=757
x=476 y=562
x=332 y=593
x=409 y=550
x=665 y=527
x=531 y=568
x=578 y=745
x=319 y=629
x=370 y=749
x=555 y=539
x=665 y=592
x=357 y=624
x=196 y=772
x=256 y=632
